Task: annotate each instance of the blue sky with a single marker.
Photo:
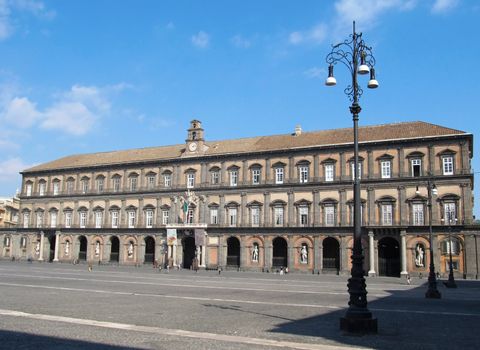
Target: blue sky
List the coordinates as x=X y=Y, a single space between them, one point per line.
x=88 y=76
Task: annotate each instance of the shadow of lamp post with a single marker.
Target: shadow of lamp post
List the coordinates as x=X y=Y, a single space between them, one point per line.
x=451 y=280
x=358 y=58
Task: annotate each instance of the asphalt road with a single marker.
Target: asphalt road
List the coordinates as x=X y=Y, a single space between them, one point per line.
x=60 y=306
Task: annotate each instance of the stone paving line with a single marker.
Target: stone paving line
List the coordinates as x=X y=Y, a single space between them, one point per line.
x=178 y=332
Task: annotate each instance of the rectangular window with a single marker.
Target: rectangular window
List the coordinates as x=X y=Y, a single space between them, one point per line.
x=68 y=219
x=83 y=219
x=329 y=172
x=56 y=188
x=386 y=169
x=28 y=189
x=41 y=189
x=98 y=219
x=165 y=217
x=256 y=173
x=352 y=167
x=387 y=214
x=116 y=184
x=39 y=219
x=190 y=216
x=149 y=218
x=84 y=186
x=303 y=216
x=53 y=219
x=151 y=182
x=454 y=265
x=190 y=180
x=133 y=183
x=255 y=212
x=233 y=178
x=215 y=176
x=131 y=219
x=214 y=216
x=447 y=165
x=278 y=215
x=70 y=187
x=329 y=215
x=232 y=216
x=279 y=175
x=167 y=180
x=417 y=212
x=100 y=183
x=303 y=172
x=26 y=219
x=449 y=211
x=416 y=167
x=115 y=219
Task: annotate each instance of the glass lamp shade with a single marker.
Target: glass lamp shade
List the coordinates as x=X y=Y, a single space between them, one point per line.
x=331 y=81
x=372 y=83
x=363 y=69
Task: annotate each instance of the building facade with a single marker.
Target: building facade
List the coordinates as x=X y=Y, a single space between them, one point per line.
x=259 y=203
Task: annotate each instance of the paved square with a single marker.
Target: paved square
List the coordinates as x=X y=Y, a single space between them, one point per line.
x=58 y=306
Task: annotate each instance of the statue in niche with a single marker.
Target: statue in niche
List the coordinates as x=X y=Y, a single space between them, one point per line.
x=67 y=247
x=37 y=249
x=7 y=241
x=419 y=255
x=130 y=250
x=304 y=254
x=97 y=248
x=255 y=252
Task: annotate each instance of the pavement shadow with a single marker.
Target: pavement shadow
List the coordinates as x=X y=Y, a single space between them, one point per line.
x=406 y=320
x=25 y=341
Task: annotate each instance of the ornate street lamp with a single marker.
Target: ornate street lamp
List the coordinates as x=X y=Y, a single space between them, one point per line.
x=358 y=58
x=432 y=291
x=451 y=280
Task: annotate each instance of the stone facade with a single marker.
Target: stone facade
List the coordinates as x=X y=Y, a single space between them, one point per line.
x=258 y=203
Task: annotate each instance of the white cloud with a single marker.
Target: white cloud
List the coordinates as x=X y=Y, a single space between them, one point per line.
x=201 y=40
x=314 y=35
x=442 y=6
x=21 y=112
x=240 y=42
x=10 y=168
x=315 y=72
x=71 y=117
x=8 y=9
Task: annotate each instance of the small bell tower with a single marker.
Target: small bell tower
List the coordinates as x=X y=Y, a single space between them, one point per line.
x=195 y=138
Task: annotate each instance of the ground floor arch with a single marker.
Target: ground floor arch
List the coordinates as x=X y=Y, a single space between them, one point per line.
x=114 y=249
x=388 y=257
x=331 y=254
x=149 y=257
x=52 y=241
x=233 y=252
x=189 y=248
x=279 y=252
x=82 y=250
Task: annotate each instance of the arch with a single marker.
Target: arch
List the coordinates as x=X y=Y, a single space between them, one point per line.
x=280 y=252
x=385 y=156
x=331 y=254
x=189 y=248
x=389 y=257
x=233 y=252
x=446 y=152
x=52 y=240
x=82 y=251
x=415 y=154
x=302 y=162
x=255 y=166
x=149 y=250
x=114 y=249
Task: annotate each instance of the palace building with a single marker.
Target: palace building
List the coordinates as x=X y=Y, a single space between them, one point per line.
x=258 y=203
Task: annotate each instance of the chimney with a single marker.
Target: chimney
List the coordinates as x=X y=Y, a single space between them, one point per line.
x=298 y=130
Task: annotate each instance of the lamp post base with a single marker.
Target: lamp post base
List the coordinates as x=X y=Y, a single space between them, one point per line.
x=433 y=294
x=450 y=283
x=359 y=325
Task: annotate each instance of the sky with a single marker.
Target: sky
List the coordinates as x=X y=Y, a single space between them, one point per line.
x=84 y=76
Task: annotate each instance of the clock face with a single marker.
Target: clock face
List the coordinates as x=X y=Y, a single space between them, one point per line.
x=192 y=147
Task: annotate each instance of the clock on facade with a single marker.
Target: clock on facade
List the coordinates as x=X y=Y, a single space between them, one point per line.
x=192 y=147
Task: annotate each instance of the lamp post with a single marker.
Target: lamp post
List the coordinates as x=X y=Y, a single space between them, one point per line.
x=358 y=58
x=432 y=291
x=451 y=280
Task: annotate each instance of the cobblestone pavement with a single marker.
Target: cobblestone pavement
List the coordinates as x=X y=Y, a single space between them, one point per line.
x=61 y=306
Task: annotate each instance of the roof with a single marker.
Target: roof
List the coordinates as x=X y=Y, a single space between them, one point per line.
x=396 y=131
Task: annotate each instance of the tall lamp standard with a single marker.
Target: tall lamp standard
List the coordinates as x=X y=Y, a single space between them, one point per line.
x=451 y=281
x=358 y=58
x=432 y=291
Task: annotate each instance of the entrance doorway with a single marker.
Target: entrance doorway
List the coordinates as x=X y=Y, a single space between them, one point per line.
x=280 y=253
x=331 y=254
x=233 y=252
x=149 y=250
x=114 y=249
x=82 y=252
x=388 y=257
x=52 y=239
x=189 y=248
